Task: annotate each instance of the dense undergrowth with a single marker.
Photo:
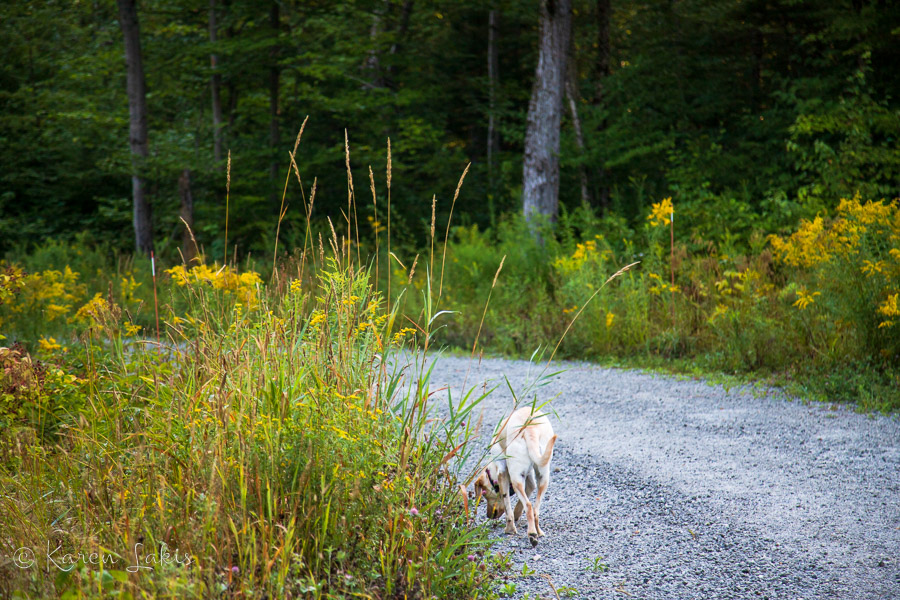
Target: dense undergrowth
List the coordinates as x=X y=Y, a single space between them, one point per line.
x=268 y=447
x=815 y=309
x=272 y=438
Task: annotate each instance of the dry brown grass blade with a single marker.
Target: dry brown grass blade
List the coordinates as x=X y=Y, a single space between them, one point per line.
x=193 y=239
x=447 y=233
x=578 y=314
x=399 y=262
x=464 y=494
x=351 y=199
x=431 y=254
x=389 y=224
x=375 y=223
x=227 y=195
x=481 y=324
x=550 y=583
x=412 y=270
x=451 y=454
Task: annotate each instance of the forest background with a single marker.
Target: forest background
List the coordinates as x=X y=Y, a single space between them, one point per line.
x=771 y=125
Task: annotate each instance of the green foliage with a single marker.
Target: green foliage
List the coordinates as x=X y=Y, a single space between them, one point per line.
x=766 y=113
x=848 y=145
x=823 y=298
x=41 y=292
x=36 y=397
x=280 y=452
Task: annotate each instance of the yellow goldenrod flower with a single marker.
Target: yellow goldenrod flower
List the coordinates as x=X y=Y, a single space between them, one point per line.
x=661 y=212
x=871 y=268
x=129 y=286
x=93 y=310
x=804 y=299
x=48 y=344
x=889 y=308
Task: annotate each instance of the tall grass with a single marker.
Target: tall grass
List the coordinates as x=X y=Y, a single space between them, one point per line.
x=279 y=442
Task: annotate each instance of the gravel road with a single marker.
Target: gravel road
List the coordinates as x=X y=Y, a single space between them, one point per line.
x=666 y=488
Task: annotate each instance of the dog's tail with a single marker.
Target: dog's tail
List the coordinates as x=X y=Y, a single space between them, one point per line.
x=534 y=451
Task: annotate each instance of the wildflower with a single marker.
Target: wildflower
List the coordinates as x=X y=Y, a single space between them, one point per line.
x=816 y=242
x=48 y=344
x=661 y=212
x=414 y=511
x=55 y=310
x=720 y=310
x=93 y=310
x=610 y=317
x=376 y=225
x=889 y=308
x=870 y=268
x=244 y=286
x=398 y=337
x=804 y=299
x=235 y=570
x=131 y=328
x=129 y=286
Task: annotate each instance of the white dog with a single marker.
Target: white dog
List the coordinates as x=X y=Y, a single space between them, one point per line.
x=526 y=440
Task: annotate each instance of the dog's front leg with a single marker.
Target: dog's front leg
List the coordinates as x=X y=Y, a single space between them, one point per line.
x=507 y=506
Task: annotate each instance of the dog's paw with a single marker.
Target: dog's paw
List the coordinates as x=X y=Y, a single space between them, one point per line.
x=533 y=538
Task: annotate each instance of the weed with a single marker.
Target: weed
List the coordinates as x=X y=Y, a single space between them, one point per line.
x=598 y=566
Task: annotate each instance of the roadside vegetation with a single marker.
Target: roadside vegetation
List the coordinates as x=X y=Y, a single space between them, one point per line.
x=278 y=441
x=270 y=442
x=814 y=308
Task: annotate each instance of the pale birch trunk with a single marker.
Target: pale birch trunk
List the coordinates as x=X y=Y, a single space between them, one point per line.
x=540 y=176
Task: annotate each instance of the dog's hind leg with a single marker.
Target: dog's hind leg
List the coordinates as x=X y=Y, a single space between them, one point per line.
x=529 y=487
x=543 y=476
x=529 y=512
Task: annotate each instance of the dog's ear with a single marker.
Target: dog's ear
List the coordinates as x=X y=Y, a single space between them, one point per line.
x=480 y=485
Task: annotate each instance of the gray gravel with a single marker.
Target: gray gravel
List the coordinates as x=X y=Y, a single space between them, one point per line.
x=687 y=490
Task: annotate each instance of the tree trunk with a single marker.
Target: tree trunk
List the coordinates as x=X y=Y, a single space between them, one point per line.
x=216 y=86
x=188 y=247
x=540 y=176
x=604 y=11
x=493 y=141
x=137 y=135
x=274 y=81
